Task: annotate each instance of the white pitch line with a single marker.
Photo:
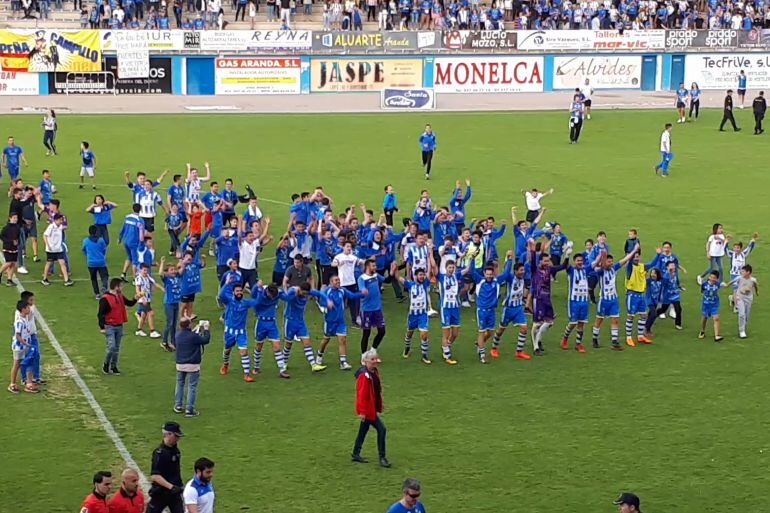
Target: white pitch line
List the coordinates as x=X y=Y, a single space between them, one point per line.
x=95 y=406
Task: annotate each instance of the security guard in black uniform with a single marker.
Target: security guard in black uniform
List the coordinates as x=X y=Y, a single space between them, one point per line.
x=760 y=106
x=728 y=114
x=167 y=486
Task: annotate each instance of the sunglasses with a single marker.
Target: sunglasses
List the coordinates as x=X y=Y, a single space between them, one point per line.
x=414 y=495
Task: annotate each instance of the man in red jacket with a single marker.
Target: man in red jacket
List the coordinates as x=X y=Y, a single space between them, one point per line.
x=129 y=498
x=96 y=501
x=112 y=316
x=369 y=406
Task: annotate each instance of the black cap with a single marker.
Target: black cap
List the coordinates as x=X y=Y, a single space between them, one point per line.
x=173 y=427
x=629 y=499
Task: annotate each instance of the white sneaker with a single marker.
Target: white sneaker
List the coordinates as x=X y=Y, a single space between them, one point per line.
x=588 y=116
x=345 y=366
x=432 y=313
x=155 y=334
x=699 y=279
x=211 y=253
x=662 y=316
x=22 y=270
x=427 y=176
x=319 y=360
x=140 y=333
x=465 y=304
x=742 y=334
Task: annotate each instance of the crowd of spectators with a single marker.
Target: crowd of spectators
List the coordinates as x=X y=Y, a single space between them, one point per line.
x=414 y=14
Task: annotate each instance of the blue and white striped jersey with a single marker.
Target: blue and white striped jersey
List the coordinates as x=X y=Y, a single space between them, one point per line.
x=418 y=257
x=148 y=201
x=418 y=296
x=578 y=284
x=449 y=289
x=609 y=288
x=515 y=294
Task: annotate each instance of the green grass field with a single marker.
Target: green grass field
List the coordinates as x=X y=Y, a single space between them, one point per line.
x=681 y=422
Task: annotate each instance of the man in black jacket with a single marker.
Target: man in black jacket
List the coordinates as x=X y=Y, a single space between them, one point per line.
x=10 y=235
x=728 y=113
x=189 y=351
x=760 y=106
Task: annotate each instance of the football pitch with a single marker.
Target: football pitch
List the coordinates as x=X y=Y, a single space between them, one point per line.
x=682 y=422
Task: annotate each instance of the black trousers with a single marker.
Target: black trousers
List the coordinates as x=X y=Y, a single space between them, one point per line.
x=242 y=10
x=728 y=116
x=101 y=272
x=162 y=501
x=677 y=310
x=389 y=216
x=574 y=130
x=593 y=281
x=758 y=117
x=695 y=106
x=49 y=140
x=363 y=429
x=427 y=159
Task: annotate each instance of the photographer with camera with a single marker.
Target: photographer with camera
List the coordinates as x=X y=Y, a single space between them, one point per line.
x=189 y=352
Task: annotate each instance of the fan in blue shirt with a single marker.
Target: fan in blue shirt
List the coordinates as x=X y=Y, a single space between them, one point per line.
x=427 y=138
x=47 y=188
x=710 y=304
x=458 y=202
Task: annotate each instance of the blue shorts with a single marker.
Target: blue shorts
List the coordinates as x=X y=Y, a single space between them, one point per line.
x=450 y=317
x=335 y=329
x=578 y=311
x=679 y=104
x=513 y=315
x=295 y=329
x=608 y=308
x=635 y=303
x=709 y=310
x=144 y=308
x=13 y=172
x=236 y=337
x=485 y=318
x=735 y=285
x=266 y=329
x=132 y=254
x=417 y=321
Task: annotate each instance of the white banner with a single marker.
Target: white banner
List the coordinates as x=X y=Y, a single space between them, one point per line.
x=253 y=75
x=156 y=39
x=629 y=39
x=610 y=72
x=407 y=99
x=546 y=40
x=253 y=40
x=133 y=48
x=490 y=74
x=19 y=84
x=720 y=71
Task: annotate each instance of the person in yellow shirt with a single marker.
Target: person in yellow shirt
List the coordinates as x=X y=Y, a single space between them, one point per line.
x=636 y=286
